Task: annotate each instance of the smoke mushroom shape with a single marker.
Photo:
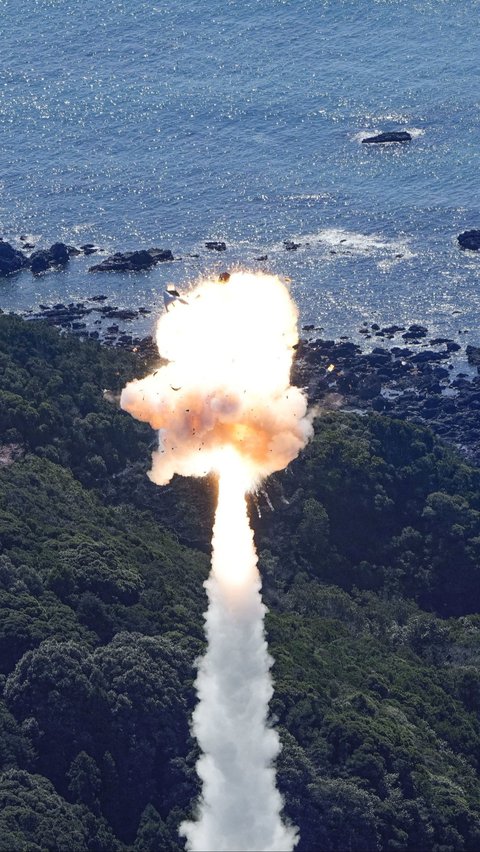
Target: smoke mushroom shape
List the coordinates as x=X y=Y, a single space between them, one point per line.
x=223 y=403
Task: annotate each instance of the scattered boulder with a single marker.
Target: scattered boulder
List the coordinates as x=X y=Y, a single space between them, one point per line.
x=369 y=387
x=470 y=240
x=428 y=356
x=118 y=313
x=393 y=329
x=216 y=245
x=11 y=260
x=473 y=355
x=390 y=136
x=415 y=332
x=289 y=245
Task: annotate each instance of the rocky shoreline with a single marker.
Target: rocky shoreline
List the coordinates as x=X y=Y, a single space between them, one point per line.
x=94 y=319
x=412 y=377
x=418 y=382
x=416 y=378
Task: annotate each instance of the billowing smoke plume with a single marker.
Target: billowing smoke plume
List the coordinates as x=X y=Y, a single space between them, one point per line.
x=227 y=382
x=224 y=403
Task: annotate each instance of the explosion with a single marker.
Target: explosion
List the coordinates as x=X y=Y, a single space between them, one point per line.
x=223 y=403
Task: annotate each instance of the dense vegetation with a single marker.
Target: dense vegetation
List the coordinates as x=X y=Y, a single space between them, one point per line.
x=370 y=564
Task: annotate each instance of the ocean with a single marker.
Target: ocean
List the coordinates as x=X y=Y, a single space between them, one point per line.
x=132 y=124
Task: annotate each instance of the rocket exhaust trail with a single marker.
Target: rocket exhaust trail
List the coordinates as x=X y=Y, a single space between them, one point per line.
x=240 y=806
x=224 y=403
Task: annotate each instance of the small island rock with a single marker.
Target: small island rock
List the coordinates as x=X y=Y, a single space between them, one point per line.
x=43 y=259
x=470 y=240
x=216 y=245
x=390 y=136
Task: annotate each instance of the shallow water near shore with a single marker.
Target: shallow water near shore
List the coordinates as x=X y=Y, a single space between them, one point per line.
x=136 y=124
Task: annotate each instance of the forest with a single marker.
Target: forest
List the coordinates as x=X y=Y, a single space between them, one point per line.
x=369 y=551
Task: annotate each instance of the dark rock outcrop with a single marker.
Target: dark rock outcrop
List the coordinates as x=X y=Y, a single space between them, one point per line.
x=11 y=260
x=216 y=245
x=391 y=136
x=290 y=245
x=415 y=332
x=40 y=261
x=470 y=240
x=118 y=313
x=133 y=261
x=57 y=255
x=473 y=355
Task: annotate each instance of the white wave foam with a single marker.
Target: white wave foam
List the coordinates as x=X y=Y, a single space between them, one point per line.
x=358 y=243
x=415 y=132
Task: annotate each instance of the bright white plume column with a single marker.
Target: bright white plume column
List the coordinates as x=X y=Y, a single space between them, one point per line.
x=240 y=806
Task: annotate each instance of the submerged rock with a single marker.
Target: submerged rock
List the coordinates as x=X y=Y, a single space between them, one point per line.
x=391 y=136
x=470 y=240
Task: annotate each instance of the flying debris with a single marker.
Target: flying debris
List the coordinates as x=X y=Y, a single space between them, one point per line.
x=172 y=295
x=110 y=397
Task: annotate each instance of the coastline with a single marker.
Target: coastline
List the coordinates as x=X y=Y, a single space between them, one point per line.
x=426 y=380
x=423 y=381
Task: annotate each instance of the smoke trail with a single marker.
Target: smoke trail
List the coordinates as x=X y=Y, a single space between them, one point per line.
x=224 y=403
x=240 y=808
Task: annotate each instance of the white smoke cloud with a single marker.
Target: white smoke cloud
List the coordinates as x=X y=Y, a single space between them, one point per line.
x=227 y=382
x=224 y=403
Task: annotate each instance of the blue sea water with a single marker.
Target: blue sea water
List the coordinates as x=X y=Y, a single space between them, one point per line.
x=129 y=123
